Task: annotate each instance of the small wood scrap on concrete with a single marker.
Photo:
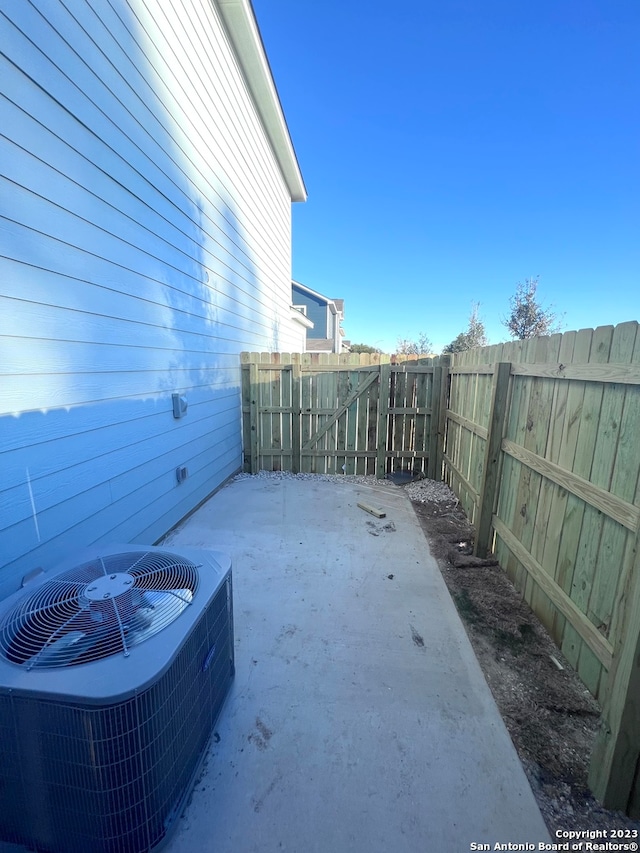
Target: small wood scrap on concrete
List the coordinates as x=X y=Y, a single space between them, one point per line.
x=379 y=513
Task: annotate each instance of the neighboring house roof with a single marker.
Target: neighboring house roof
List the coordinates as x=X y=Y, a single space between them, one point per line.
x=326 y=345
x=320 y=344
x=336 y=306
x=242 y=29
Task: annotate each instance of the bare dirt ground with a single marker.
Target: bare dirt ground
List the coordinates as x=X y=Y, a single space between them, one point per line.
x=550 y=715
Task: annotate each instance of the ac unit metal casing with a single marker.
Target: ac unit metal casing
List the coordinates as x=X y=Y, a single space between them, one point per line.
x=102 y=755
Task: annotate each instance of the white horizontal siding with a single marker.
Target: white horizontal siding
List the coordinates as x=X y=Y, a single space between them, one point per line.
x=69 y=495
x=123 y=292
x=145 y=232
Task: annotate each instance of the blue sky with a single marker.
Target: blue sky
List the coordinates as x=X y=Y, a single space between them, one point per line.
x=451 y=149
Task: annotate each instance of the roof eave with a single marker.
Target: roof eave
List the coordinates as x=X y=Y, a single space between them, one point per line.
x=299 y=317
x=310 y=291
x=242 y=28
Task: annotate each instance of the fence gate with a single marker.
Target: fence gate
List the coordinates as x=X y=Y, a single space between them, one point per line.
x=333 y=414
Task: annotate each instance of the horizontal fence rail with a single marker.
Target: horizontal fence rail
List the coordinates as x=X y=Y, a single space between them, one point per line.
x=542 y=447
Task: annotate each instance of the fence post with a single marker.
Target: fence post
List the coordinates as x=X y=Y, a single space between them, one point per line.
x=489 y=488
x=383 y=420
x=245 y=359
x=443 y=405
x=434 y=422
x=616 y=753
x=254 y=390
x=296 y=416
x=439 y=395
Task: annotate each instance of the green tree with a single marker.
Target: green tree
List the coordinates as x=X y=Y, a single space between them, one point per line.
x=474 y=336
x=363 y=348
x=422 y=346
x=528 y=318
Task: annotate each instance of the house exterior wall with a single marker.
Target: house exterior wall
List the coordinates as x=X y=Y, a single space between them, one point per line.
x=145 y=231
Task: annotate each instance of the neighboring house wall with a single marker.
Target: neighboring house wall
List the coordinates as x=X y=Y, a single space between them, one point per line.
x=145 y=242
x=318 y=313
x=326 y=315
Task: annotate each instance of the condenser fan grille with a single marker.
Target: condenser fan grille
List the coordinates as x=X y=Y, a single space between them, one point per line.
x=97 y=609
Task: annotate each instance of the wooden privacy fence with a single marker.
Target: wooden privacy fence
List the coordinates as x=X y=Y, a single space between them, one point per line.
x=542 y=447
x=540 y=440
x=353 y=413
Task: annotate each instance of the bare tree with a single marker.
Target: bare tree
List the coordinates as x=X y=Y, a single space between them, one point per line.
x=528 y=318
x=422 y=346
x=474 y=336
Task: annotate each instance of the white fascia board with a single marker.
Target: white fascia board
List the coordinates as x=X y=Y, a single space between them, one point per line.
x=312 y=292
x=299 y=317
x=242 y=28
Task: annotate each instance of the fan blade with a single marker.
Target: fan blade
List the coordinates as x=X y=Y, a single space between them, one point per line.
x=63 y=650
x=158 y=606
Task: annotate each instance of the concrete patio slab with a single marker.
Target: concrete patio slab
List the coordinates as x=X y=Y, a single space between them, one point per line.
x=359 y=719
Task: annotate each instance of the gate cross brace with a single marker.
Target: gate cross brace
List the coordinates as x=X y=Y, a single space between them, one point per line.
x=335 y=417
